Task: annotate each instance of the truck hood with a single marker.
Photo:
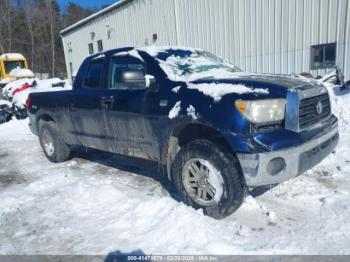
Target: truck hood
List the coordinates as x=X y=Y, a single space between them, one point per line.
x=270 y=82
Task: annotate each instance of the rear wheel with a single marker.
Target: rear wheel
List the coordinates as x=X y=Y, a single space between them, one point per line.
x=208 y=177
x=52 y=143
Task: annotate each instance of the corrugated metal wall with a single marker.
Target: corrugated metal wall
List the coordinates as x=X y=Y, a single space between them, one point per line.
x=264 y=36
x=130 y=25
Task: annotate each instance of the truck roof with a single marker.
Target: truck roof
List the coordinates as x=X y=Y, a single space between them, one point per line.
x=12 y=56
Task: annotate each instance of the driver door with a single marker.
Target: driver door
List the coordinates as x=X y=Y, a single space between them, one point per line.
x=129 y=130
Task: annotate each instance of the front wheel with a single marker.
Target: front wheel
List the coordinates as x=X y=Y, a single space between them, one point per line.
x=52 y=143
x=208 y=177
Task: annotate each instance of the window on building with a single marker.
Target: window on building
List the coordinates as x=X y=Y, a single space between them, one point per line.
x=71 y=68
x=69 y=45
x=91 y=48
x=323 y=56
x=99 y=45
x=93 y=74
x=126 y=73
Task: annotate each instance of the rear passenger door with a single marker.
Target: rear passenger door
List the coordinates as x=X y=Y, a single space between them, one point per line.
x=87 y=112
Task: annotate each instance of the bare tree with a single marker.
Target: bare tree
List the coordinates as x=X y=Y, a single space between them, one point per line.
x=5 y=25
x=32 y=27
x=52 y=36
x=30 y=11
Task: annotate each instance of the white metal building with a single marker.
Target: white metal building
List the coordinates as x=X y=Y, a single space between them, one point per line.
x=264 y=36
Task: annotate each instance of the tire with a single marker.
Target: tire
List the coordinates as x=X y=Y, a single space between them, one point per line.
x=228 y=197
x=52 y=143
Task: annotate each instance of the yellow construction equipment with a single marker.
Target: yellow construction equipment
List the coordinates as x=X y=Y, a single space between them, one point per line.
x=13 y=66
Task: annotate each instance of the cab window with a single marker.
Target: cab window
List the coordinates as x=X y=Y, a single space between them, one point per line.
x=93 y=75
x=11 y=65
x=126 y=73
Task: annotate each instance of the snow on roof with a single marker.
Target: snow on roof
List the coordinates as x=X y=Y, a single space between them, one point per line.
x=154 y=50
x=11 y=56
x=132 y=53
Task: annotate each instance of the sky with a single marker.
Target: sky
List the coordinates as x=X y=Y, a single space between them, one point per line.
x=86 y=3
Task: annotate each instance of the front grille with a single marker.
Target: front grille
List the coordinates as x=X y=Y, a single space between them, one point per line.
x=308 y=114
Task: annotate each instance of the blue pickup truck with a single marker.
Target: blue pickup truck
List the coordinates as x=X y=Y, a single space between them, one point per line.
x=215 y=130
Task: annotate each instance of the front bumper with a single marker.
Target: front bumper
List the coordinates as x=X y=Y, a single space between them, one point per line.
x=292 y=161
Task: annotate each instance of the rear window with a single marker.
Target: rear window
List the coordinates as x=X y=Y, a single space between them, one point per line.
x=93 y=75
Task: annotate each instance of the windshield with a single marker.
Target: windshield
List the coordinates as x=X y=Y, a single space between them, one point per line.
x=184 y=64
x=10 y=65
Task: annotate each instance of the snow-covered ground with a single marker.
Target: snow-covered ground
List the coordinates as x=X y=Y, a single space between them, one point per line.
x=99 y=203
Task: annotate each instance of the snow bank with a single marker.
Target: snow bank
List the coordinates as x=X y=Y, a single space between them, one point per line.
x=15 y=131
x=217 y=91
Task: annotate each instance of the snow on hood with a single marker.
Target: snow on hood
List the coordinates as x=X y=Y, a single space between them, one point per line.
x=21 y=72
x=218 y=90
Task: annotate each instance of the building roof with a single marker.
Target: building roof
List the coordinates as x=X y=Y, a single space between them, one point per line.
x=90 y=18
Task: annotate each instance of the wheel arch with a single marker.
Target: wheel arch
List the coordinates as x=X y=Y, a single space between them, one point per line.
x=185 y=133
x=46 y=117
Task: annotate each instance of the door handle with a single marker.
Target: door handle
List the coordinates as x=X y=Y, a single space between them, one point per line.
x=106 y=102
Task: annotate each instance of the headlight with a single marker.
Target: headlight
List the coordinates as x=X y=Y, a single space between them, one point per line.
x=262 y=111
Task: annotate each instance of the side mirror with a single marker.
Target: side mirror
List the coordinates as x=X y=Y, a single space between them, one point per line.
x=132 y=77
x=150 y=81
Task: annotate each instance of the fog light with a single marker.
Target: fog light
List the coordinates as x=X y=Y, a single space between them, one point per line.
x=276 y=166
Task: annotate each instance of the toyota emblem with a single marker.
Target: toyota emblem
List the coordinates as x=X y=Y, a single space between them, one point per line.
x=319 y=107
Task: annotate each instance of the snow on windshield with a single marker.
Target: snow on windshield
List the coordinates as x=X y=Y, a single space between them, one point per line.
x=191 y=64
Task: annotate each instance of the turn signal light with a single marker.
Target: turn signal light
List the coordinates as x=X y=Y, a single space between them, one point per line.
x=241 y=106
